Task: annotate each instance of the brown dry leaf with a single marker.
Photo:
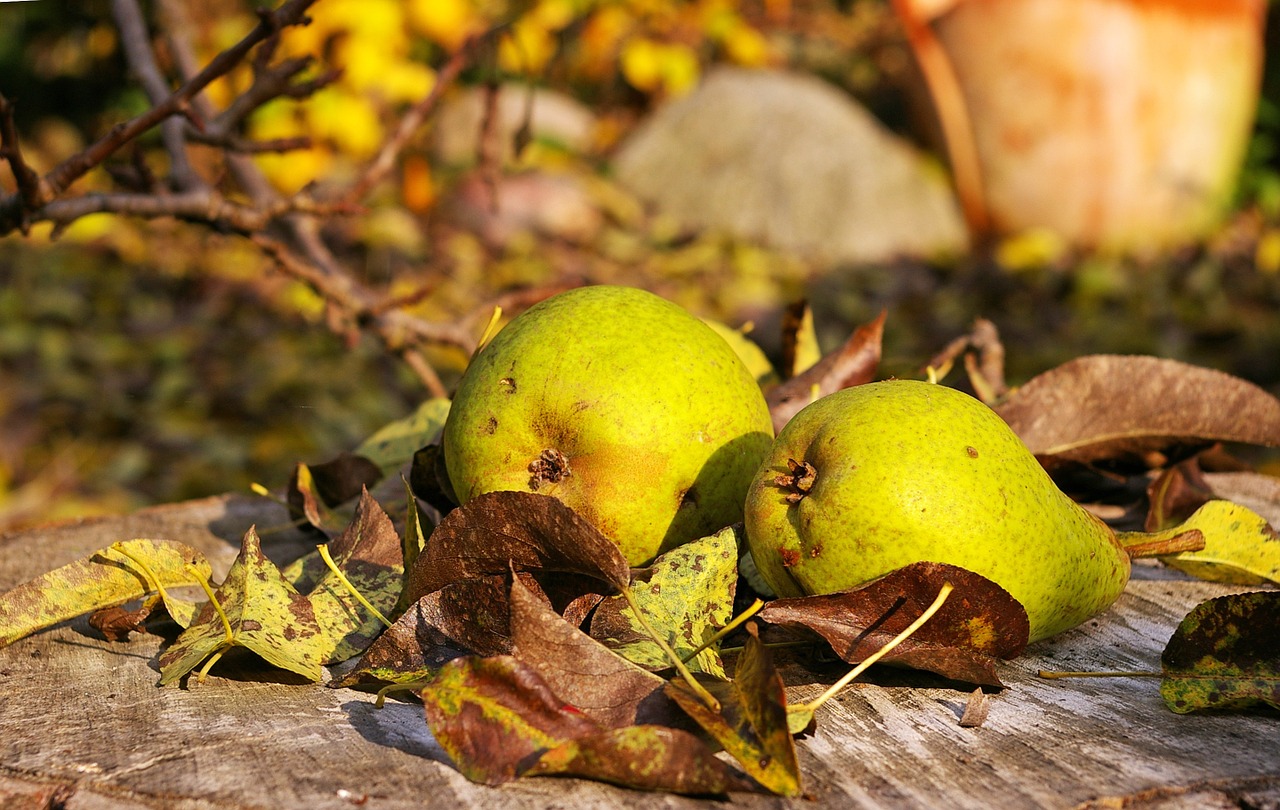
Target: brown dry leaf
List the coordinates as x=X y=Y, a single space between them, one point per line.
x=979 y=624
x=1105 y=407
x=495 y=716
x=852 y=364
x=976 y=710
x=644 y=758
x=370 y=554
x=499 y=531
x=605 y=686
x=412 y=649
x=1176 y=493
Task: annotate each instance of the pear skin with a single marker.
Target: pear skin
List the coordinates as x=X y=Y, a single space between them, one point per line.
x=621 y=404
x=876 y=477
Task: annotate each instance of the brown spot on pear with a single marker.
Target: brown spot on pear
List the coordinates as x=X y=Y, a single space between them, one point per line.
x=898 y=479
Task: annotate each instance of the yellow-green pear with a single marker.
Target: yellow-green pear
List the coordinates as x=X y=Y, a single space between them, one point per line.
x=619 y=403
x=876 y=477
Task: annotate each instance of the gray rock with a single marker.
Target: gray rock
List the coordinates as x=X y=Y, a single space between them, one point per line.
x=554 y=117
x=793 y=162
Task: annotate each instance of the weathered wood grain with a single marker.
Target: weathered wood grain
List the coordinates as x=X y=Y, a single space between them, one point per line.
x=83 y=725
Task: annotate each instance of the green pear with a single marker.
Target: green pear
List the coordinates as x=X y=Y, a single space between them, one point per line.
x=619 y=403
x=879 y=476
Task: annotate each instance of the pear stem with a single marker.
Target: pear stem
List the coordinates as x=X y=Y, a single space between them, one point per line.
x=1160 y=544
x=727 y=629
x=699 y=689
x=323 y=548
x=1048 y=673
x=813 y=705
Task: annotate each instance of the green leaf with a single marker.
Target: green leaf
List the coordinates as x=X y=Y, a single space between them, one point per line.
x=1240 y=547
x=263 y=613
x=111 y=576
x=370 y=555
x=688 y=591
x=393 y=445
x=752 y=721
x=1224 y=655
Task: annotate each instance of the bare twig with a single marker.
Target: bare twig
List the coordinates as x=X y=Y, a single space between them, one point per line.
x=380 y=167
x=29 y=193
x=292 y=12
x=137 y=50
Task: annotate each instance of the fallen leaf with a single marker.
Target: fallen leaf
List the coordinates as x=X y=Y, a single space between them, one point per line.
x=644 y=758
x=751 y=723
x=800 y=349
x=983 y=355
x=602 y=684
x=495 y=716
x=265 y=615
x=1104 y=407
x=429 y=479
x=852 y=364
x=498 y=531
x=370 y=554
x=979 y=624
x=688 y=591
x=1175 y=494
x=393 y=445
x=1224 y=655
x=1254 y=491
x=105 y=578
x=412 y=649
x=976 y=710
x=116 y=623
x=1240 y=546
x=305 y=505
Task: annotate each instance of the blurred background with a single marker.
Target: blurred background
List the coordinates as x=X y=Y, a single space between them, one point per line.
x=1090 y=175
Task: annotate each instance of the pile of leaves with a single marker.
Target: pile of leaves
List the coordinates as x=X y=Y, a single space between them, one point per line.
x=536 y=650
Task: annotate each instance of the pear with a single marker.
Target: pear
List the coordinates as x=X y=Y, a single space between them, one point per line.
x=621 y=404
x=879 y=476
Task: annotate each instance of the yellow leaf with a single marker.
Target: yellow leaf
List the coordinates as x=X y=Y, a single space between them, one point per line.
x=1240 y=547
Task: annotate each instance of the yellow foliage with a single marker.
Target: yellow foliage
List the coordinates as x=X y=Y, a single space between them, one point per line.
x=346 y=120
x=1267 y=254
x=652 y=67
x=528 y=47
x=446 y=22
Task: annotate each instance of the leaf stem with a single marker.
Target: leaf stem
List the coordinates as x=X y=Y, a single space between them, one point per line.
x=213 y=600
x=323 y=548
x=698 y=688
x=814 y=704
x=150 y=575
x=734 y=624
x=208 y=664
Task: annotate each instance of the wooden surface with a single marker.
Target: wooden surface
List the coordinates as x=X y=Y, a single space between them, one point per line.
x=83 y=725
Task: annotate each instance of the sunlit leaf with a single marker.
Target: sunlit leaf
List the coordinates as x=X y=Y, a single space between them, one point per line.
x=1240 y=546
x=493 y=715
x=498 y=531
x=605 y=686
x=979 y=623
x=1122 y=407
x=752 y=721
x=393 y=445
x=370 y=555
x=687 y=591
x=644 y=758
x=266 y=616
x=852 y=364
x=111 y=576
x=1224 y=655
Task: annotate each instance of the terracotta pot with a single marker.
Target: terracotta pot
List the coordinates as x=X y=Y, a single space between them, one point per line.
x=1119 y=124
